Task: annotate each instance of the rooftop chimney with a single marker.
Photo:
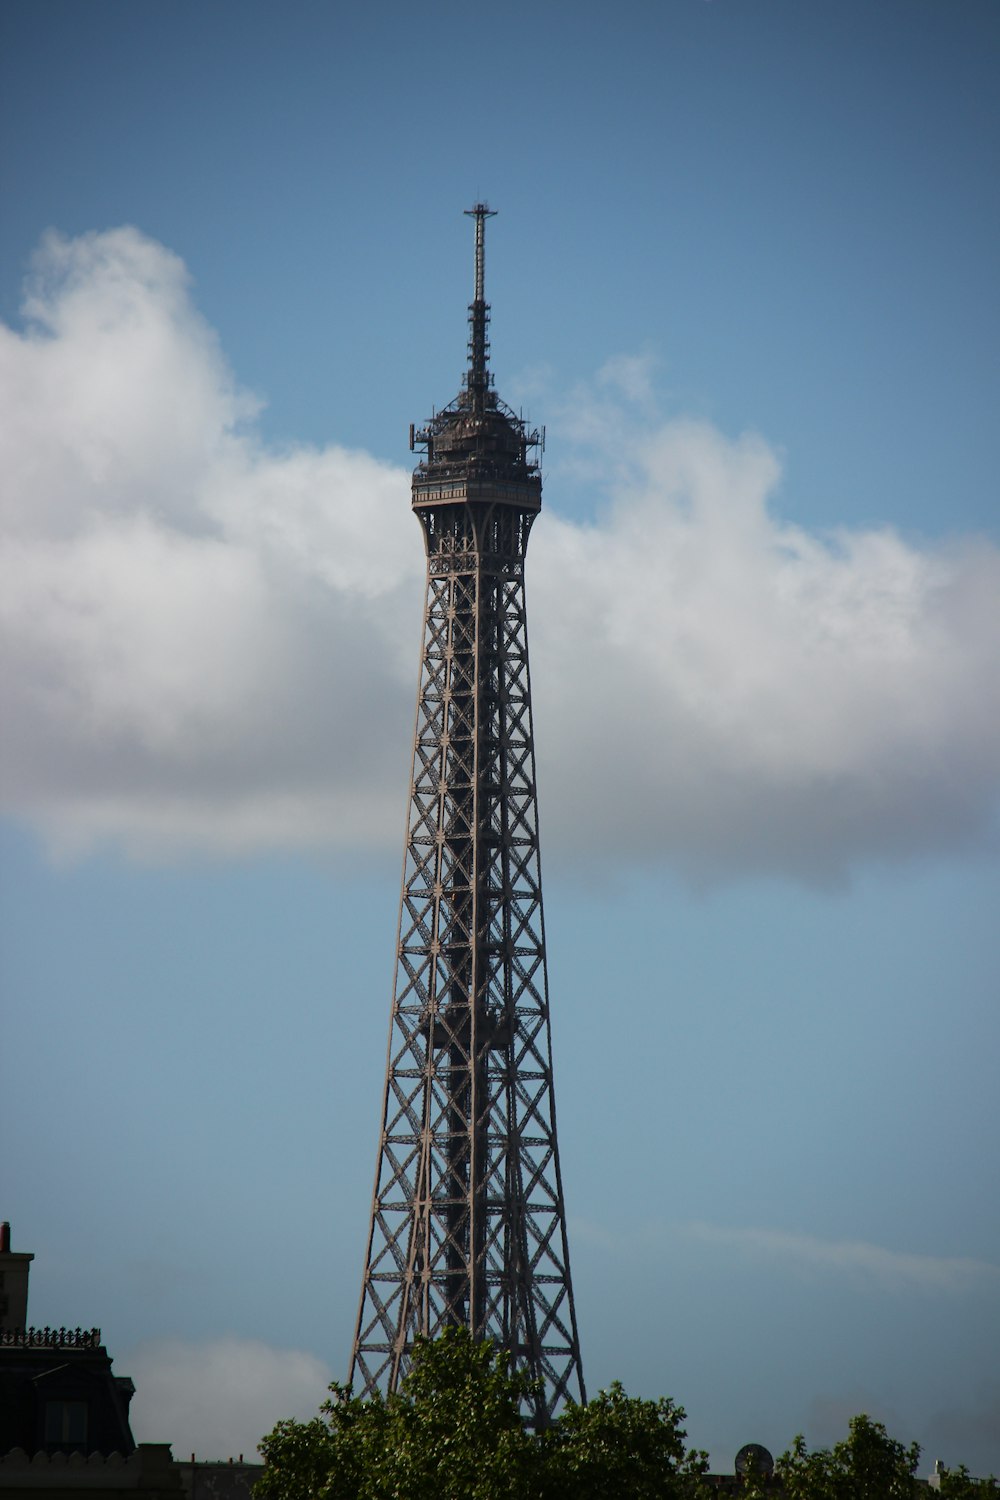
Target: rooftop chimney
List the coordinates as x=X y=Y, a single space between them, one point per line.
x=14 y=1268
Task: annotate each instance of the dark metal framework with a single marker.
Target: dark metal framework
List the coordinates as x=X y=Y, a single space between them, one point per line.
x=468 y=1225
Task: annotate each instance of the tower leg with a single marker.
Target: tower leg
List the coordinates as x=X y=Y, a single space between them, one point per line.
x=468 y=1222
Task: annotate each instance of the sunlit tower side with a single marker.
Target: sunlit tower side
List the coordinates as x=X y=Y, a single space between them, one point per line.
x=468 y=1225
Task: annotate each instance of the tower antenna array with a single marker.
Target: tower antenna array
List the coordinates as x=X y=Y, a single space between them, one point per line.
x=477 y=378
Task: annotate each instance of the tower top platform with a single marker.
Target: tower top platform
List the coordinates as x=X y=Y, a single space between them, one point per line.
x=477 y=447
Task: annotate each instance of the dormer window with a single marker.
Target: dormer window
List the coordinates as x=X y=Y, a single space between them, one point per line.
x=65 y=1423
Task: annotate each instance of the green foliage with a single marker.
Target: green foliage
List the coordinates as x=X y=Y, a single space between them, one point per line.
x=958 y=1484
x=867 y=1465
x=756 y=1487
x=755 y=1484
x=455 y=1433
x=331 y=1456
x=619 y=1445
x=456 y=1428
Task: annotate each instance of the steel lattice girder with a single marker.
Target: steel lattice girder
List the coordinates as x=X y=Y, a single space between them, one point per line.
x=468 y=1224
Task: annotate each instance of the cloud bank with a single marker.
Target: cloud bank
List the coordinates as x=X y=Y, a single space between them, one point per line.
x=217 y=1399
x=891 y=1269
x=209 y=643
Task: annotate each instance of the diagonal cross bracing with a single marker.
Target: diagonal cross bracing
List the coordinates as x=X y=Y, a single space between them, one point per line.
x=468 y=1223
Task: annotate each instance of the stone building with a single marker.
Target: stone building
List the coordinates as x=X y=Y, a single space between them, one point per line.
x=64 y=1414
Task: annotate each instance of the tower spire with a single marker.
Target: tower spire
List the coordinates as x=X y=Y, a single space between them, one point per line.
x=477 y=379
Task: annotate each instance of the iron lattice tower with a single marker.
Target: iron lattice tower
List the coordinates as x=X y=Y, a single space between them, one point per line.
x=468 y=1225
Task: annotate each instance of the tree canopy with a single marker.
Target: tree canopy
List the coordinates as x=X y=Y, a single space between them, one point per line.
x=867 y=1465
x=958 y=1484
x=455 y=1432
x=621 y=1445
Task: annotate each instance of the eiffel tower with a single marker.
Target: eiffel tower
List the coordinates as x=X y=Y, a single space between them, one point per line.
x=468 y=1225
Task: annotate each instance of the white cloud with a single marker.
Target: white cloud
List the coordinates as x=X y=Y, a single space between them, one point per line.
x=210 y=644
x=892 y=1269
x=741 y=694
x=217 y=1399
x=203 y=639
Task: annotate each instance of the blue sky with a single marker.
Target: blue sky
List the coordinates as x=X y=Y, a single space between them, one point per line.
x=744 y=271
